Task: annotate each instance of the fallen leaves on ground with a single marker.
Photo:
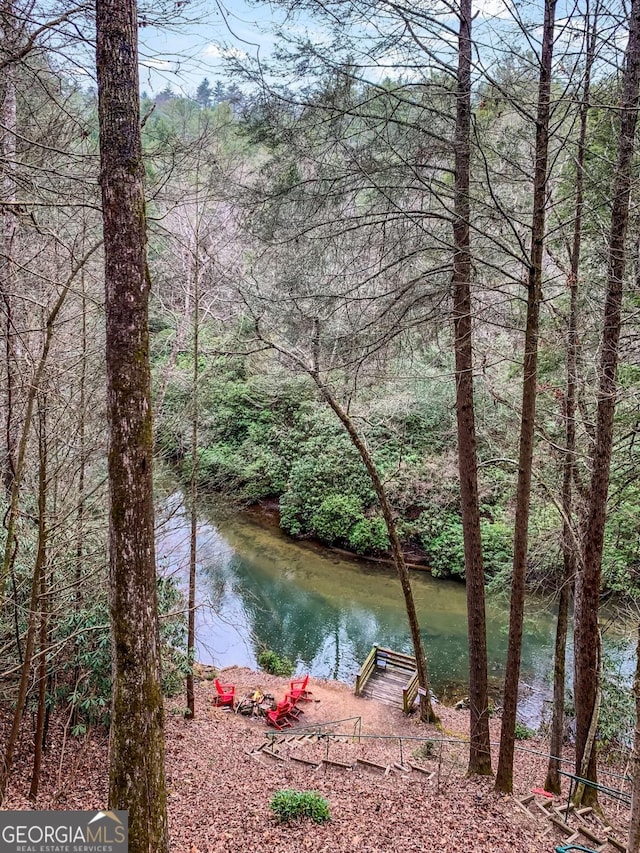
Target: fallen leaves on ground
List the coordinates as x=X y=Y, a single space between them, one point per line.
x=219 y=793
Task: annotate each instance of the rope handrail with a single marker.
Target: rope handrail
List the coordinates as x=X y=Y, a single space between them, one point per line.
x=317 y=727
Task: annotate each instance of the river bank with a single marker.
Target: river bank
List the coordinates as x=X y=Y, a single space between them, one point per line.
x=266 y=513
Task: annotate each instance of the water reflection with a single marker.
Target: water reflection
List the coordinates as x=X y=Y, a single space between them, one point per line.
x=257 y=589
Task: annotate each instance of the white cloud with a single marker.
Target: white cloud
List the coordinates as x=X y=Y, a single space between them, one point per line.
x=216 y=51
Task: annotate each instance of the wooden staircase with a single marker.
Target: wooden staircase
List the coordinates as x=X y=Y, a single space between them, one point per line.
x=283 y=748
x=581 y=826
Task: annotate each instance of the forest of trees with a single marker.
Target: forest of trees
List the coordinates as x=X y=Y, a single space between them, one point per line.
x=387 y=277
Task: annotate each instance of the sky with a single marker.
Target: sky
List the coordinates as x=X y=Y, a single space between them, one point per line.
x=180 y=55
x=195 y=43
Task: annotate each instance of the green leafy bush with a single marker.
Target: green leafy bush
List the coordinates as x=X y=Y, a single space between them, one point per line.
x=173 y=637
x=335 y=517
x=497 y=547
x=369 y=535
x=446 y=548
x=275 y=664
x=523 y=732
x=617 y=709
x=442 y=537
x=325 y=467
x=424 y=751
x=289 y=804
x=86 y=685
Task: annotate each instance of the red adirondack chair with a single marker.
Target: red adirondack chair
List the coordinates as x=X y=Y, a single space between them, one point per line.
x=298 y=690
x=295 y=708
x=225 y=694
x=280 y=718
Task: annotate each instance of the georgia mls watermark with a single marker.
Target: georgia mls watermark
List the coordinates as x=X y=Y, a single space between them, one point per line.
x=63 y=832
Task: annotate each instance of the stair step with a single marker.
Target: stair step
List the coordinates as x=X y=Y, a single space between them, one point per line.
x=424 y=770
x=523 y=808
x=561 y=825
x=343 y=764
x=372 y=765
x=588 y=833
x=617 y=844
x=272 y=754
x=561 y=811
x=305 y=761
x=584 y=811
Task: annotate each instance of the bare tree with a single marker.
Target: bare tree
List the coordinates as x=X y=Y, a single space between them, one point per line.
x=588 y=579
x=569 y=538
x=504 y=775
x=479 y=746
x=8 y=223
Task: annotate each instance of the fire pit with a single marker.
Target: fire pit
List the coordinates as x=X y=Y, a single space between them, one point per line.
x=256 y=704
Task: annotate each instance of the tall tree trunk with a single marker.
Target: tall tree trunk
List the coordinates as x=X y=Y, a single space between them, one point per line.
x=569 y=546
x=580 y=793
x=504 y=775
x=25 y=673
x=427 y=714
x=479 y=743
x=136 y=756
x=8 y=220
x=193 y=539
x=42 y=663
x=588 y=580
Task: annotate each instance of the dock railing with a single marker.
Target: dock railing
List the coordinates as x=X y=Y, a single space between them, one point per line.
x=382 y=658
x=365 y=670
x=409 y=693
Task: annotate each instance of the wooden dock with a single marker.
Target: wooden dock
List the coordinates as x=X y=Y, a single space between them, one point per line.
x=389 y=677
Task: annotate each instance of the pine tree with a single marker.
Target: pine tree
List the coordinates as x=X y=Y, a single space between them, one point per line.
x=203 y=94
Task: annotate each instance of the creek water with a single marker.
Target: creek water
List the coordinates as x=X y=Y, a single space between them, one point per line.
x=257 y=588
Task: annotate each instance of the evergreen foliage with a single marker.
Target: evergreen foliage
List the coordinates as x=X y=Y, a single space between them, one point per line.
x=275 y=664
x=288 y=805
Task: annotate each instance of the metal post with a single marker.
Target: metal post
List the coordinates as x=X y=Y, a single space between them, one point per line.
x=566 y=811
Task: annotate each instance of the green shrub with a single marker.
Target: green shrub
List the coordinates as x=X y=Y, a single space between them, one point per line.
x=369 y=534
x=446 y=550
x=424 y=751
x=497 y=547
x=275 y=664
x=523 y=732
x=327 y=485
x=86 y=686
x=335 y=517
x=218 y=467
x=617 y=710
x=442 y=537
x=288 y=804
x=173 y=637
